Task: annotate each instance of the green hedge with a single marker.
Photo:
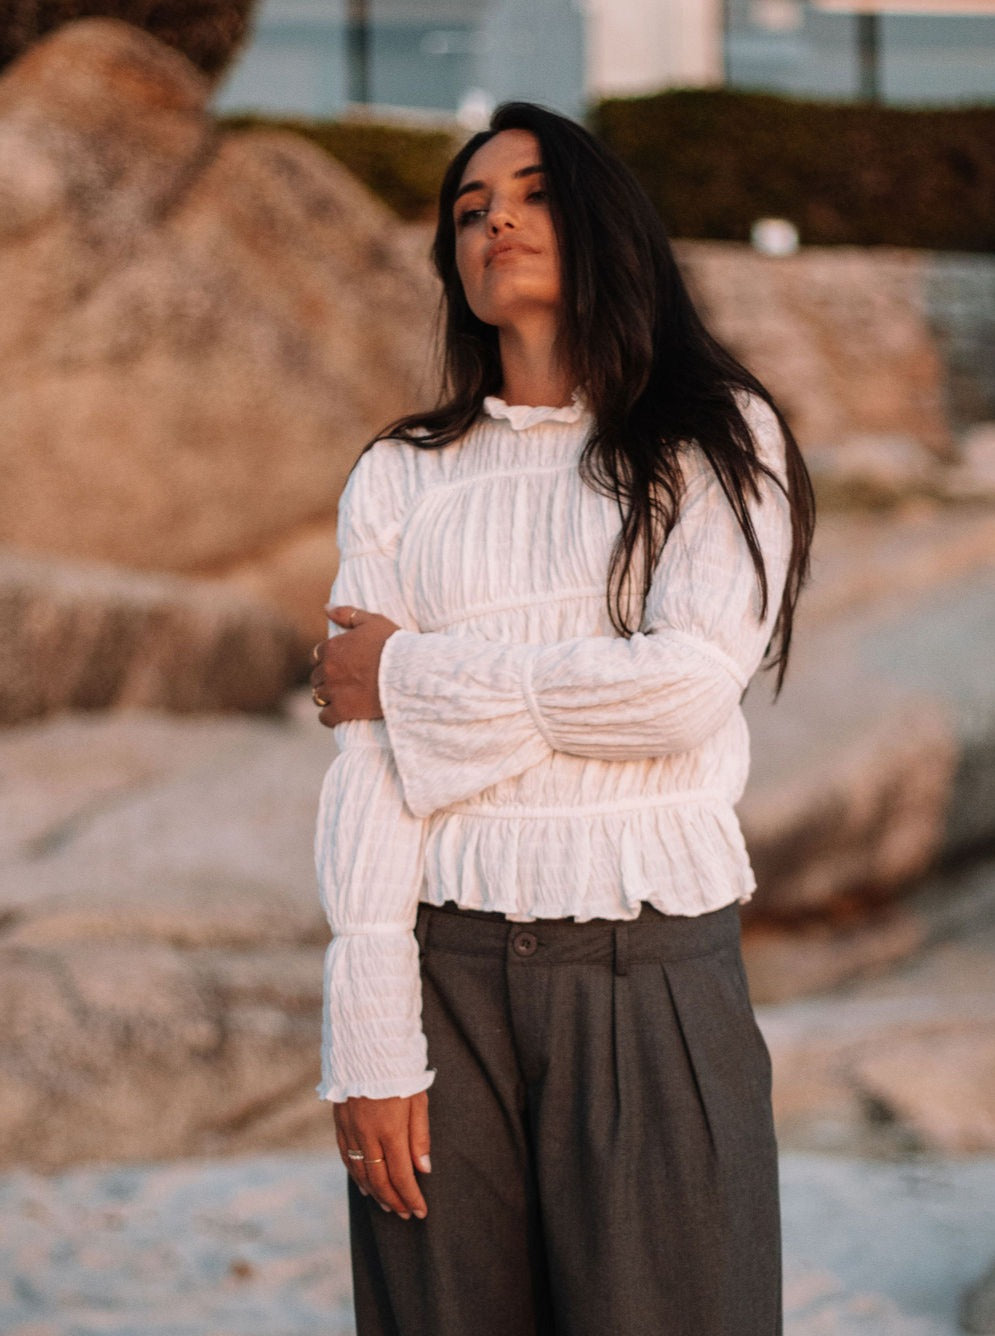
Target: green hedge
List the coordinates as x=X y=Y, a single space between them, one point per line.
x=844 y=173
x=714 y=160
x=402 y=165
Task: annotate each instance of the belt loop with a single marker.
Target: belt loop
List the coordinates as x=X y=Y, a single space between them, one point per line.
x=421 y=926
x=620 y=944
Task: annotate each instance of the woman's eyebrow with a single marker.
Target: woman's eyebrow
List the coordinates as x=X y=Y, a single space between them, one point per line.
x=480 y=185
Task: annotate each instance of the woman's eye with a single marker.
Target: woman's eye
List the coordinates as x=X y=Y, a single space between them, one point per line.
x=539 y=194
x=468 y=216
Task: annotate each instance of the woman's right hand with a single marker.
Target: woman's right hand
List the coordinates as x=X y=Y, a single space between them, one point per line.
x=395 y=1133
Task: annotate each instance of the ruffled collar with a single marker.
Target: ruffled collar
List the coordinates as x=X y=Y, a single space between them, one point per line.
x=523 y=416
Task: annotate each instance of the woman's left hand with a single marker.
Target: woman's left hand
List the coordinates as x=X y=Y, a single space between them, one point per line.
x=346 y=667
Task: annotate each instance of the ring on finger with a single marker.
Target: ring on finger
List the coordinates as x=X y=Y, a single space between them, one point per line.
x=377 y=1161
x=319 y=699
x=316 y=652
x=355 y=1155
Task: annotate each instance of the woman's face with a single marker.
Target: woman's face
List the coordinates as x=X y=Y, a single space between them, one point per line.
x=506 y=250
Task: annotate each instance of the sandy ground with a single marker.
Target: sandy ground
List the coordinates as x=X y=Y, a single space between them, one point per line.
x=258 y=1247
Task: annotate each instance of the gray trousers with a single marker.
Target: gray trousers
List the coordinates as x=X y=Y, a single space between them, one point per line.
x=603 y=1152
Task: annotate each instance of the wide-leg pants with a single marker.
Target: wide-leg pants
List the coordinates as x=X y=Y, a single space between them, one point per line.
x=603 y=1153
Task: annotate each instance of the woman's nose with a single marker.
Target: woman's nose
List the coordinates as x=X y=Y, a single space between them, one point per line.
x=499 y=218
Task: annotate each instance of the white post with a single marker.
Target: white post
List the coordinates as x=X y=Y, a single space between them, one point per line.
x=642 y=46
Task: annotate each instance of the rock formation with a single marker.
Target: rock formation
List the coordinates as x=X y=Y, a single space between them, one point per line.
x=161 y=936
x=162 y=939
x=877 y=759
x=199 y=329
x=86 y=636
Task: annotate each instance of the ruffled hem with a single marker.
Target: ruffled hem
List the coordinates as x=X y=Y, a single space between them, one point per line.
x=686 y=860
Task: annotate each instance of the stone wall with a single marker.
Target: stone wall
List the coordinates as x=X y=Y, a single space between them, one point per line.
x=960 y=304
x=858 y=342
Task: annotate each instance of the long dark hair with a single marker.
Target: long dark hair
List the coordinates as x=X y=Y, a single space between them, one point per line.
x=650 y=372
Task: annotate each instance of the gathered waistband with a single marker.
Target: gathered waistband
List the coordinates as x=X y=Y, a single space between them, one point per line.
x=619 y=942
x=637 y=803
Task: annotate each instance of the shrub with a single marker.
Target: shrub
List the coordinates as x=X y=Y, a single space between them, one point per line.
x=400 y=164
x=713 y=160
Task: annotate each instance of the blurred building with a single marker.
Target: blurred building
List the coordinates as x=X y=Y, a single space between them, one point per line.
x=914 y=52
x=318 y=57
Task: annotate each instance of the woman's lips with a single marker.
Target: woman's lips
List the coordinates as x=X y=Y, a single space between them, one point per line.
x=506 y=248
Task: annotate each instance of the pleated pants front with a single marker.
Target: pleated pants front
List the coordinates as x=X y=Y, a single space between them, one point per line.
x=603 y=1153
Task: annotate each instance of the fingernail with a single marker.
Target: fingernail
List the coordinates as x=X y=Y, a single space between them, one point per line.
x=421 y=1214
x=384 y=1208
x=405 y=1215
x=424 y=1164
x=363 y=1191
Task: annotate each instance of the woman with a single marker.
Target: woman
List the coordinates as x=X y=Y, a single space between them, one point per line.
x=554 y=589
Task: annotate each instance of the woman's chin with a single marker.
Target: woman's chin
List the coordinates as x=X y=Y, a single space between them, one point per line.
x=515 y=304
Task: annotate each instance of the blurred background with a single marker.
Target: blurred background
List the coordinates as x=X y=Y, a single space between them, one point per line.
x=314 y=58
x=214 y=224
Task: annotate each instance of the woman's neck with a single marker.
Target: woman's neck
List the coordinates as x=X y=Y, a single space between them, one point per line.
x=532 y=371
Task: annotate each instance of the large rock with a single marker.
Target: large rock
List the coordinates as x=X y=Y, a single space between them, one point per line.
x=852 y=939
x=58 y=774
x=878 y=759
x=161 y=937
x=199 y=330
x=195 y=833
x=125 y=1050
x=862 y=560
x=851 y=790
x=903 y=1060
x=84 y=635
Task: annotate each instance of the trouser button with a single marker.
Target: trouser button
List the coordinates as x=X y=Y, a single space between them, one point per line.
x=524 y=943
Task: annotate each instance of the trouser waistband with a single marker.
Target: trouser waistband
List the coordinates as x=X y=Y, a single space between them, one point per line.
x=618 y=942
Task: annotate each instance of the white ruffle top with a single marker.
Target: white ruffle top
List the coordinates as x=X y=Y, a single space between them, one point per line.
x=530 y=760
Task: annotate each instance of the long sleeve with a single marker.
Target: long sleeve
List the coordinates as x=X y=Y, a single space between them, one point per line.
x=464 y=714
x=368 y=845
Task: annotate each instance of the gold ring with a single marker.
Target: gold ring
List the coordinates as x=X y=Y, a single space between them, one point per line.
x=352 y=617
x=319 y=700
x=316 y=652
x=366 y=1161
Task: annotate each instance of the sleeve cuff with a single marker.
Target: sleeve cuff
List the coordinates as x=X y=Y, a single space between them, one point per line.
x=528 y=691
x=456 y=716
x=394 y=1087
x=373 y=1044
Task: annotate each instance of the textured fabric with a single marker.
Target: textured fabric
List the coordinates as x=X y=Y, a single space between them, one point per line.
x=604 y=1160
x=530 y=760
